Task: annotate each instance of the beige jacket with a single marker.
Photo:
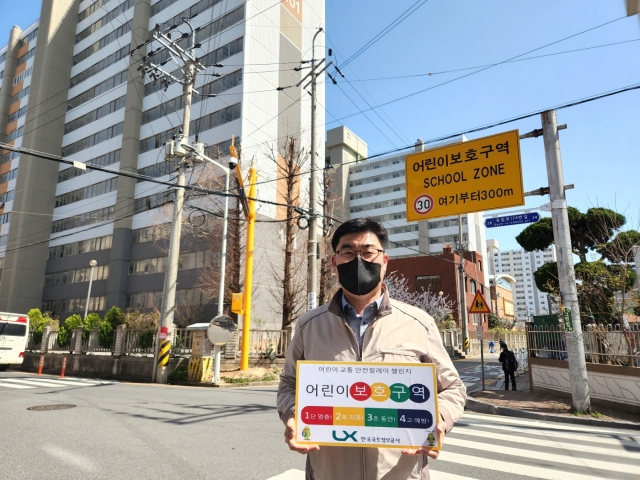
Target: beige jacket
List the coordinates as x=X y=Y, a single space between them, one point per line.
x=400 y=333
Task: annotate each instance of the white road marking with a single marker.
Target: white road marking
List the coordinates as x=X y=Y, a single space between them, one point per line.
x=13 y=385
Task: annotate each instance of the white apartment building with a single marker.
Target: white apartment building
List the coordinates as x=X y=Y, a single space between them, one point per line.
x=376 y=188
x=521 y=265
x=71 y=87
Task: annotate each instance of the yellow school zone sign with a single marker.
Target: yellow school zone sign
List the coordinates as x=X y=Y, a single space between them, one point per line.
x=474 y=176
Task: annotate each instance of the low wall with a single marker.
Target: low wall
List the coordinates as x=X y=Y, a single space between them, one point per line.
x=609 y=385
x=128 y=368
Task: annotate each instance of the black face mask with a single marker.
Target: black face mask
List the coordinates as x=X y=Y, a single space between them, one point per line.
x=358 y=276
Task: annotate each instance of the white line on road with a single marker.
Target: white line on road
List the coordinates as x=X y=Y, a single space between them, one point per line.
x=13 y=385
x=289 y=475
x=489 y=420
x=436 y=475
x=546 y=456
x=38 y=383
x=508 y=467
x=479 y=432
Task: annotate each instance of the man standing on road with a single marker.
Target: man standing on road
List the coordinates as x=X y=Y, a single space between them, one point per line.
x=361 y=323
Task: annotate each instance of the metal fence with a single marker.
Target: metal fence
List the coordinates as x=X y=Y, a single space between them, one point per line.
x=266 y=343
x=139 y=342
x=91 y=343
x=55 y=346
x=181 y=342
x=604 y=344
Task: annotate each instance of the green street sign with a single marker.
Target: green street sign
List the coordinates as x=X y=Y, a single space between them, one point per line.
x=568 y=319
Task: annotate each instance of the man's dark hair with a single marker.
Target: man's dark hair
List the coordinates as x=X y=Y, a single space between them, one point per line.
x=360 y=225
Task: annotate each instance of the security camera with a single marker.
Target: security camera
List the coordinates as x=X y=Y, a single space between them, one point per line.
x=232 y=163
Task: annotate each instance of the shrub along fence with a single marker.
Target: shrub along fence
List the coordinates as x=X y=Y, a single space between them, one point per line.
x=125 y=341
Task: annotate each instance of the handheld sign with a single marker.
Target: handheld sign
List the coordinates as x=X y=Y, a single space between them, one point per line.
x=362 y=404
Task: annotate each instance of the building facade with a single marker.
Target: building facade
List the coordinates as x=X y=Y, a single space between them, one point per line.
x=439 y=273
x=521 y=265
x=71 y=88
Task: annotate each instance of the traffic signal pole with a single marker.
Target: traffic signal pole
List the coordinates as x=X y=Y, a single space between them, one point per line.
x=568 y=290
x=248 y=272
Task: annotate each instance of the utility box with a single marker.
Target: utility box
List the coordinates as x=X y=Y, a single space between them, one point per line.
x=200 y=344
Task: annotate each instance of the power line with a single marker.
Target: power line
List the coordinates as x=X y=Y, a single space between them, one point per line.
x=429 y=74
x=404 y=97
x=403 y=16
x=485 y=127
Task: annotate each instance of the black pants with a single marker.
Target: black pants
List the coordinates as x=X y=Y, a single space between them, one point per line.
x=508 y=375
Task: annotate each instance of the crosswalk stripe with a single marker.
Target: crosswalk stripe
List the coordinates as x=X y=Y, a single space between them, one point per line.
x=39 y=383
x=548 y=425
x=546 y=456
x=599 y=438
x=436 y=475
x=13 y=385
x=481 y=433
x=508 y=467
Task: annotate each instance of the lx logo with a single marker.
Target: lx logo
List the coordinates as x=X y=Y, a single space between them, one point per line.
x=347 y=436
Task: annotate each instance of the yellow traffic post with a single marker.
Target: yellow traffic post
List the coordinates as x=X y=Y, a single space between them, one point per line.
x=248 y=273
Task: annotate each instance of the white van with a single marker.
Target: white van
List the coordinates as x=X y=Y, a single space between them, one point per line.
x=14 y=333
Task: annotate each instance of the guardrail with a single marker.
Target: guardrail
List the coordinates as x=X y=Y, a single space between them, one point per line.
x=603 y=344
x=54 y=346
x=31 y=344
x=181 y=344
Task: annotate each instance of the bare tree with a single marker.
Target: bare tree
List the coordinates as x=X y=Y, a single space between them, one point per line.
x=328 y=283
x=291 y=281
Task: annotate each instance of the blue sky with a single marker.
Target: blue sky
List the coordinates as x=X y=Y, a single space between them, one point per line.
x=600 y=146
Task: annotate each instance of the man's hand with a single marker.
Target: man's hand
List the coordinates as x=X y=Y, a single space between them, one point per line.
x=290 y=439
x=429 y=452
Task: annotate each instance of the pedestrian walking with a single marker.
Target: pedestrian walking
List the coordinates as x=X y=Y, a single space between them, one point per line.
x=509 y=366
x=491 y=345
x=359 y=324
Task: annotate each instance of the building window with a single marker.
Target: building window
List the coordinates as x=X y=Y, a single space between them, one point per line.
x=100 y=272
x=89 y=191
x=103 y=42
x=472 y=286
x=101 y=161
x=428 y=283
x=84 y=246
x=94 y=139
x=480 y=264
x=88 y=218
x=96 y=304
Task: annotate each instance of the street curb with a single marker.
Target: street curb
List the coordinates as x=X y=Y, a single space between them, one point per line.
x=478 y=406
x=227 y=385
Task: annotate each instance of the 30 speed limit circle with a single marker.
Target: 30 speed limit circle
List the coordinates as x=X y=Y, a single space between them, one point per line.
x=423 y=204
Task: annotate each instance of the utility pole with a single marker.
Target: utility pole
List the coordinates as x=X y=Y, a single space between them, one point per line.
x=174 y=149
x=462 y=288
x=312 y=250
x=562 y=239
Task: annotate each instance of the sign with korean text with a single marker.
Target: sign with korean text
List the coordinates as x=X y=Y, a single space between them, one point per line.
x=479 y=304
x=512 y=220
x=567 y=318
x=474 y=176
x=361 y=404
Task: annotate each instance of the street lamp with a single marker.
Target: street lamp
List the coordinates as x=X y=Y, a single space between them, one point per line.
x=93 y=264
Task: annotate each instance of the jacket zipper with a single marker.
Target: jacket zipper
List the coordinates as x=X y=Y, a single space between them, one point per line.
x=359 y=359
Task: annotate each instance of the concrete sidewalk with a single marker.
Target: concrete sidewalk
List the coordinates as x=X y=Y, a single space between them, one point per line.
x=523 y=403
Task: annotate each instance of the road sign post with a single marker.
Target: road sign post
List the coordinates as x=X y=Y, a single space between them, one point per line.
x=474 y=176
x=479 y=333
